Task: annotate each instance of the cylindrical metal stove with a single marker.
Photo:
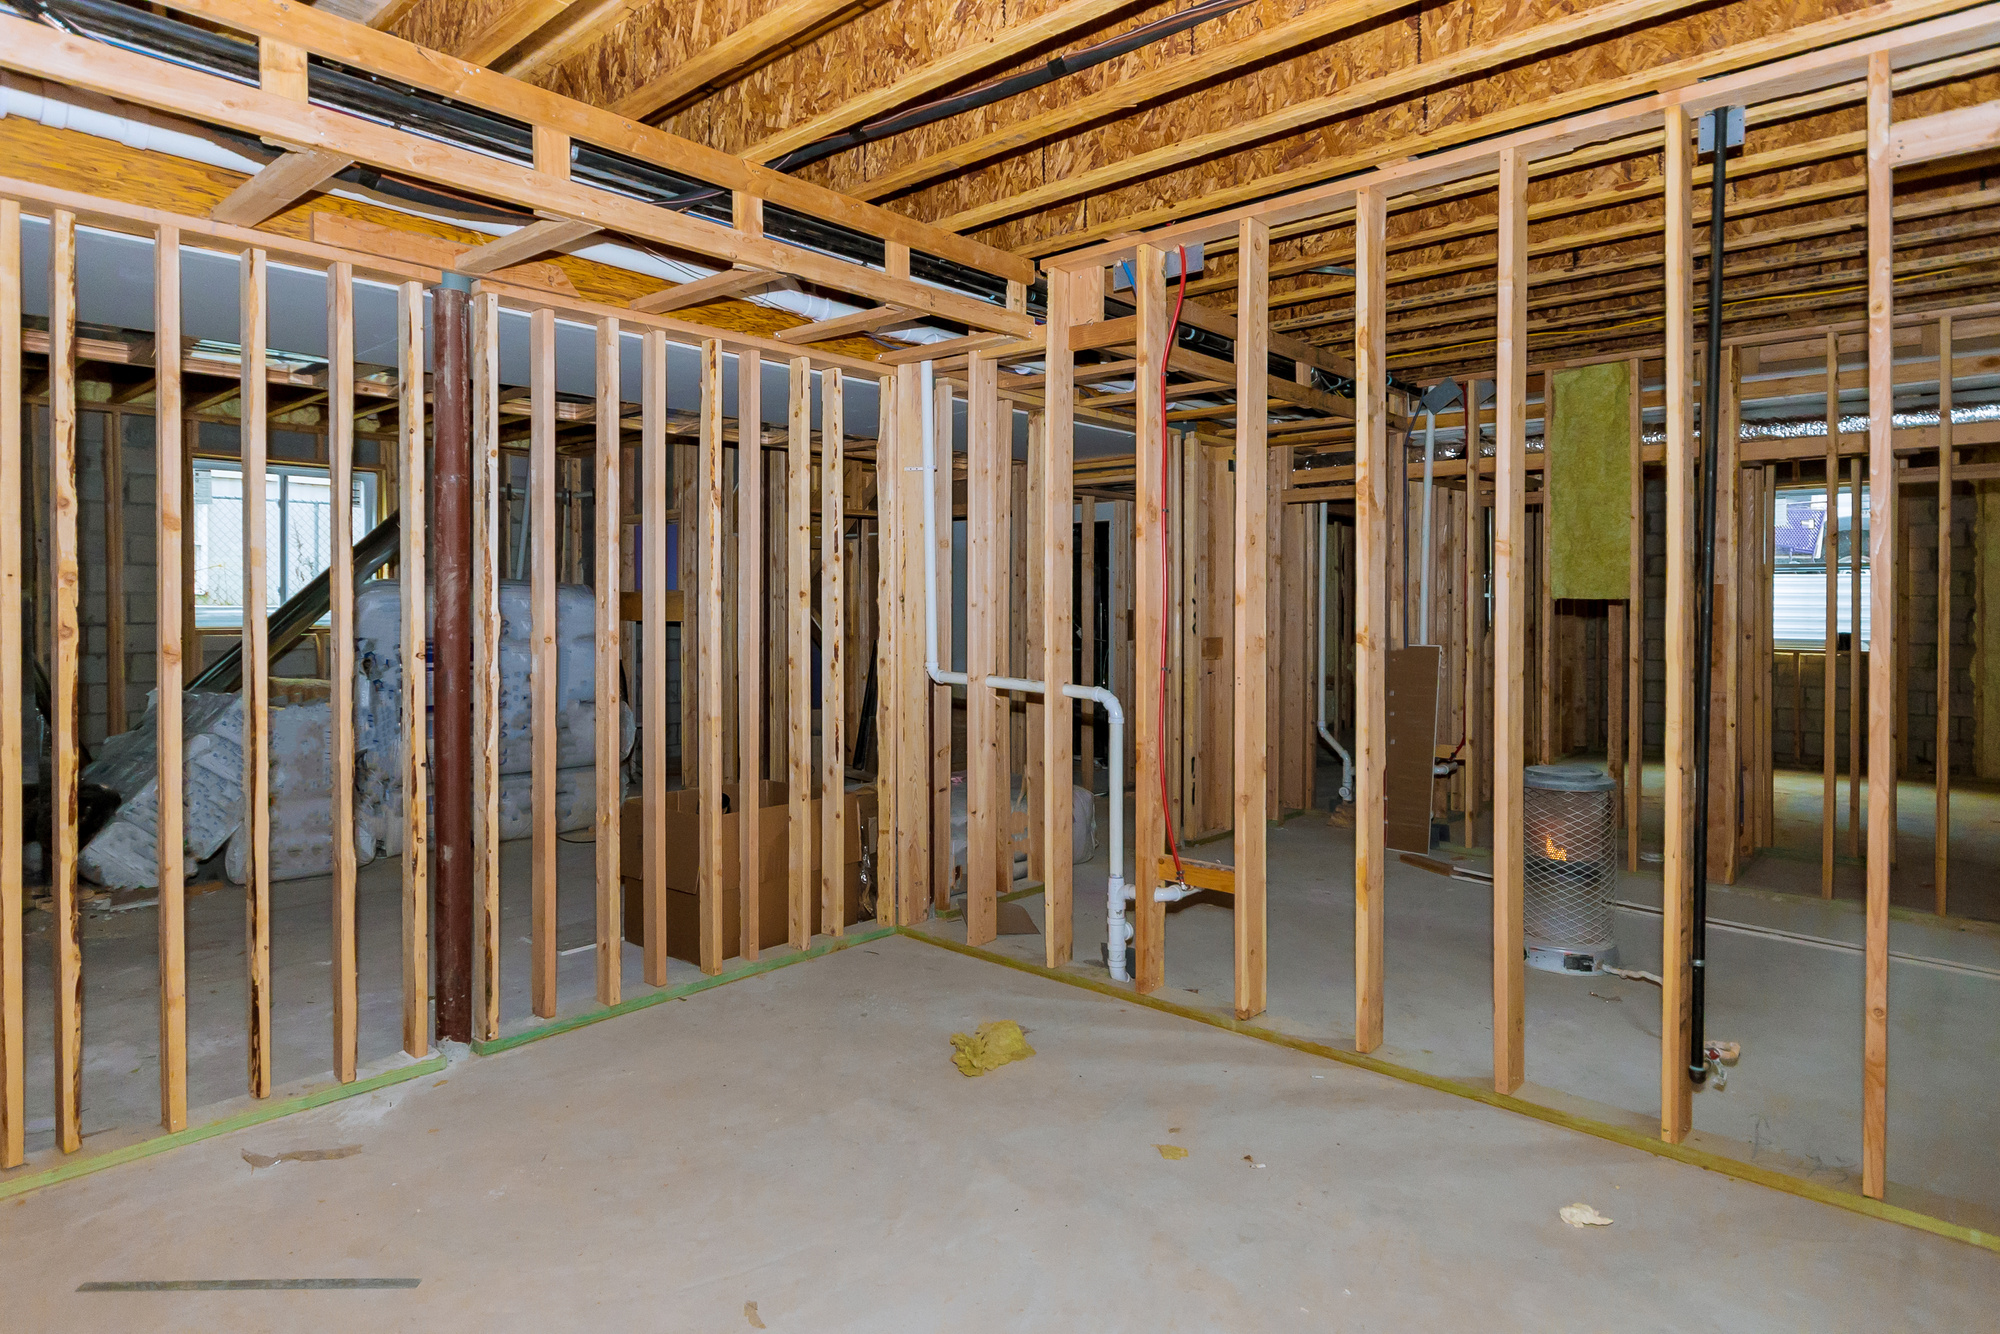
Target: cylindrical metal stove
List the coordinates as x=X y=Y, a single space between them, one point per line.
x=1571 y=847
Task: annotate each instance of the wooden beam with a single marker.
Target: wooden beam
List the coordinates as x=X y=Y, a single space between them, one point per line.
x=1954 y=133
x=141 y=80
x=1509 y=616
x=345 y=984
x=64 y=662
x=514 y=22
x=1940 y=858
x=961 y=62
x=537 y=238
x=1854 y=658
x=942 y=702
x=798 y=650
x=989 y=460
x=654 y=468
x=736 y=55
x=255 y=435
x=489 y=472
x=1156 y=84
x=413 y=469
x=1883 y=616
x=1677 y=939
x=169 y=444
x=1250 y=758
x=1057 y=612
x=283 y=182
x=832 y=655
x=708 y=519
x=737 y=281
x=1812 y=56
x=580 y=24
x=841 y=326
x=13 y=1059
x=1303 y=113
x=542 y=484
x=1148 y=616
x=607 y=574
x=750 y=560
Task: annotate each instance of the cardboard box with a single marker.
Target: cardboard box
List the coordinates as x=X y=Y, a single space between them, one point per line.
x=683 y=835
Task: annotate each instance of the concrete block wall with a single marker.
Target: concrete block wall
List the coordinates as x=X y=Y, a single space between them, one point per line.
x=138 y=559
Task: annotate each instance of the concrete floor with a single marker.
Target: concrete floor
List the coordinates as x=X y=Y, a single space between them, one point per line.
x=1792 y=1102
x=121 y=1004
x=800 y=1141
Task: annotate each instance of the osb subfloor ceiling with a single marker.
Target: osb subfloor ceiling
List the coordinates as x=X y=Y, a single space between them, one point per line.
x=1221 y=105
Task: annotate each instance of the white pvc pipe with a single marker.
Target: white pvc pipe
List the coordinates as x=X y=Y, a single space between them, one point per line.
x=1424 y=582
x=1117 y=930
x=1326 y=732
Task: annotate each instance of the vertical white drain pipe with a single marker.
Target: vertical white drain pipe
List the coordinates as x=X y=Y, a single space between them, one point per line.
x=1424 y=583
x=1326 y=732
x=1117 y=894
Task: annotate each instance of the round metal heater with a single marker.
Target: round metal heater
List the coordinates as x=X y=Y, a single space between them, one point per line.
x=1572 y=867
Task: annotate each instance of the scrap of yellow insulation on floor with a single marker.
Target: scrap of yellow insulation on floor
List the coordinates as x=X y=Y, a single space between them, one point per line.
x=994 y=1044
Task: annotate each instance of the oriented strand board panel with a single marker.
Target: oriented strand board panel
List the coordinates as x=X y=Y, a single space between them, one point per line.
x=1587 y=454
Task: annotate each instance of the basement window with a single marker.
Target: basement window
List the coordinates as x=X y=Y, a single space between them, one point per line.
x=1798 y=621
x=297 y=528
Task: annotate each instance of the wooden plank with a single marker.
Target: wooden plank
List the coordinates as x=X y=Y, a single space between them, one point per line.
x=1954 y=133
x=653 y=653
x=1371 y=499
x=1057 y=623
x=13 y=1060
x=986 y=795
x=1148 y=615
x=170 y=516
x=843 y=326
x=1884 y=616
x=542 y=484
x=113 y=497
x=1635 y=650
x=1297 y=114
x=325 y=34
x=1940 y=858
x=942 y=702
x=1830 y=656
x=537 y=238
x=719 y=286
x=708 y=518
x=65 y=741
x=252 y=333
x=410 y=572
x=798 y=642
x=1250 y=748
x=281 y=183
x=142 y=80
x=281 y=69
x=733 y=56
x=1509 y=614
x=832 y=656
x=1855 y=657
x=750 y=558
x=1677 y=939
x=955 y=62
x=607 y=574
x=488 y=503
x=1767 y=751
x=1209 y=877
x=340 y=694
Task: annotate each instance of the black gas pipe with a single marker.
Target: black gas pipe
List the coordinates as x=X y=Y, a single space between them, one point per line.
x=1711 y=422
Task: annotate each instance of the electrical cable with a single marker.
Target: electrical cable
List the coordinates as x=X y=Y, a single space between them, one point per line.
x=1166 y=565
x=1011 y=85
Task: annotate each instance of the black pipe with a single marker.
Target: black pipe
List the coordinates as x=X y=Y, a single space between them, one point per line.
x=1704 y=632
